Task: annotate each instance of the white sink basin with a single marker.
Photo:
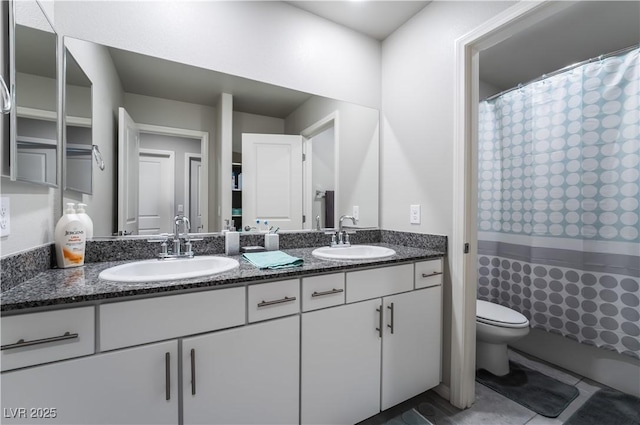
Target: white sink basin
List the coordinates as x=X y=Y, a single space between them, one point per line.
x=169 y=269
x=353 y=252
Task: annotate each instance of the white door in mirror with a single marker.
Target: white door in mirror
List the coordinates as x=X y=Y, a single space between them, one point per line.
x=173 y=269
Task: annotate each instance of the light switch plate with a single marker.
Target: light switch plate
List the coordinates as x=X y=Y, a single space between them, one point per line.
x=5 y=217
x=414 y=214
x=356 y=212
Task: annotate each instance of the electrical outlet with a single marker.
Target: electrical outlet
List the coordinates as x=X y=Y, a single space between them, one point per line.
x=5 y=217
x=356 y=212
x=414 y=214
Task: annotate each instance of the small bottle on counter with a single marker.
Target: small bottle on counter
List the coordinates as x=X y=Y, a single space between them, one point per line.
x=231 y=243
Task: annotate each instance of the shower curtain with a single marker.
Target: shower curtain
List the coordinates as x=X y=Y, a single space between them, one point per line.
x=558 y=179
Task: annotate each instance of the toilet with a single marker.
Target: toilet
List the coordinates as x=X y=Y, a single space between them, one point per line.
x=496 y=326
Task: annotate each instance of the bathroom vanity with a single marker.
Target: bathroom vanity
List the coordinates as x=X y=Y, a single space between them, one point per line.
x=328 y=342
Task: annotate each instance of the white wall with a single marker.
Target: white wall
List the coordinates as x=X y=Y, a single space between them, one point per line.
x=357 y=151
x=267 y=41
x=416 y=158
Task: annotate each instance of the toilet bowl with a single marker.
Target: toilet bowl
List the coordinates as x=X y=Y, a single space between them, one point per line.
x=496 y=326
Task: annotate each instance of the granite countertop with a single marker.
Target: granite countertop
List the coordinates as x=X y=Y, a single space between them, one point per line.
x=56 y=287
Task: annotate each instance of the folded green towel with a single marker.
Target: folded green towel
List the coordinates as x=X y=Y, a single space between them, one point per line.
x=272 y=260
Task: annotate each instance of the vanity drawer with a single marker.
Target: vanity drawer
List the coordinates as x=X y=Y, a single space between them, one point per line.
x=374 y=283
x=35 y=338
x=275 y=299
x=128 y=323
x=322 y=291
x=428 y=273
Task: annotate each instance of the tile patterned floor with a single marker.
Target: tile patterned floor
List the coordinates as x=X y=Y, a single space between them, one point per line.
x=491 y=408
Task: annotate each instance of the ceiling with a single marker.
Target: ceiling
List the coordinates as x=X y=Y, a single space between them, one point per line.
x=377 y=19
x=583 y=31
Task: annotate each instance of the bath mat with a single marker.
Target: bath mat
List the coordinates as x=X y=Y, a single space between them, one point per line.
x=535 y=391
x=607 y=407
x=410 y=417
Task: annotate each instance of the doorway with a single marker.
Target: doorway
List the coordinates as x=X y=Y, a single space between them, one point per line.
x=464 y=232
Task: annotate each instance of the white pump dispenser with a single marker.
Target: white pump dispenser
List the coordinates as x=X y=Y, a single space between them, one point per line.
x=70 y=238
x=86 y=220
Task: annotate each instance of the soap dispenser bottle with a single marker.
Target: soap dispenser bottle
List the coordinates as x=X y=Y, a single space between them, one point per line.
x=70 y=239
x=86 y=220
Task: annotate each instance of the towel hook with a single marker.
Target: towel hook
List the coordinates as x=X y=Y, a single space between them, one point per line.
x=98 y=156
x=6 y=97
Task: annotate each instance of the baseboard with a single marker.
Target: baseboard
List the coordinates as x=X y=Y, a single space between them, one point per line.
x=443 y=391
x=607 y=367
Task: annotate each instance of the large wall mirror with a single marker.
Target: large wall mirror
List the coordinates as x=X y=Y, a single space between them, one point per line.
x=157 y=124
x=34 y=128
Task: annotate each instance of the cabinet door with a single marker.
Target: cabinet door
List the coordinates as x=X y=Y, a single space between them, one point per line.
x=134 y=386
x=341 y=364
x=247 y=375
x=411 y=353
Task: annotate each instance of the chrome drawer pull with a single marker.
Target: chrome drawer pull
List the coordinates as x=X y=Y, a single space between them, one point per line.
x=22 y=343
x=167 y=375
x=330 y=292
x=283 y=300
x=390 y=326
x=193 y=371
x=432 y=274
x=379 y=328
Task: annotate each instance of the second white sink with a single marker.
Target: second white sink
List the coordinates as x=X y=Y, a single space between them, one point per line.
x=169 y=269
x=353 y=252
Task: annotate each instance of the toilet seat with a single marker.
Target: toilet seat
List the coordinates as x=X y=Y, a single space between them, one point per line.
x=497 y=315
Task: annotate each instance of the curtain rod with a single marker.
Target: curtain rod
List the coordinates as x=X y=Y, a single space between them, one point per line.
x=565 y=69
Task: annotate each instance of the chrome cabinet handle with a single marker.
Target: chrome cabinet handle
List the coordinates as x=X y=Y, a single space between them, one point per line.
x=432 y=274
x=379 y=328
x=193 y=371
x=22 y=343
x=167 y=375
x=280 y=301
x=330 y=292
x=390 y=325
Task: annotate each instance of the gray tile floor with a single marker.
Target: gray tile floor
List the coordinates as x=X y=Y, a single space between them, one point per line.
x=491 y=408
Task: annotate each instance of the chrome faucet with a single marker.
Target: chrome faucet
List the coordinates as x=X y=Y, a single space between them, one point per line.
x=178 y=220
x=341 y=238
x=176 y=240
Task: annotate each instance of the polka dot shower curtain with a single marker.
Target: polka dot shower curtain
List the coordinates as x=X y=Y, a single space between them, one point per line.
x=558 y=179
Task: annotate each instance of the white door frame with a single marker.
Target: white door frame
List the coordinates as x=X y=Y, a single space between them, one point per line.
x=463 y=267
x=307 y=188
x=204 y=152
x=187 y=179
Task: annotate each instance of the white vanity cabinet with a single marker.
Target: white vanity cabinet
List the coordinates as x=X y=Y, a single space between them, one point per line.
x=411 y=344
x=370 y=355
x=133 y=386
x=340 y=373
x=326 y=349
x=246 y=375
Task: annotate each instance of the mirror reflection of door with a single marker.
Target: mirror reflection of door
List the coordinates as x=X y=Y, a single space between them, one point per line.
x=167 y=181
x=156 y=190
x=194 y=212
x=128 y=174
x=272 y=180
